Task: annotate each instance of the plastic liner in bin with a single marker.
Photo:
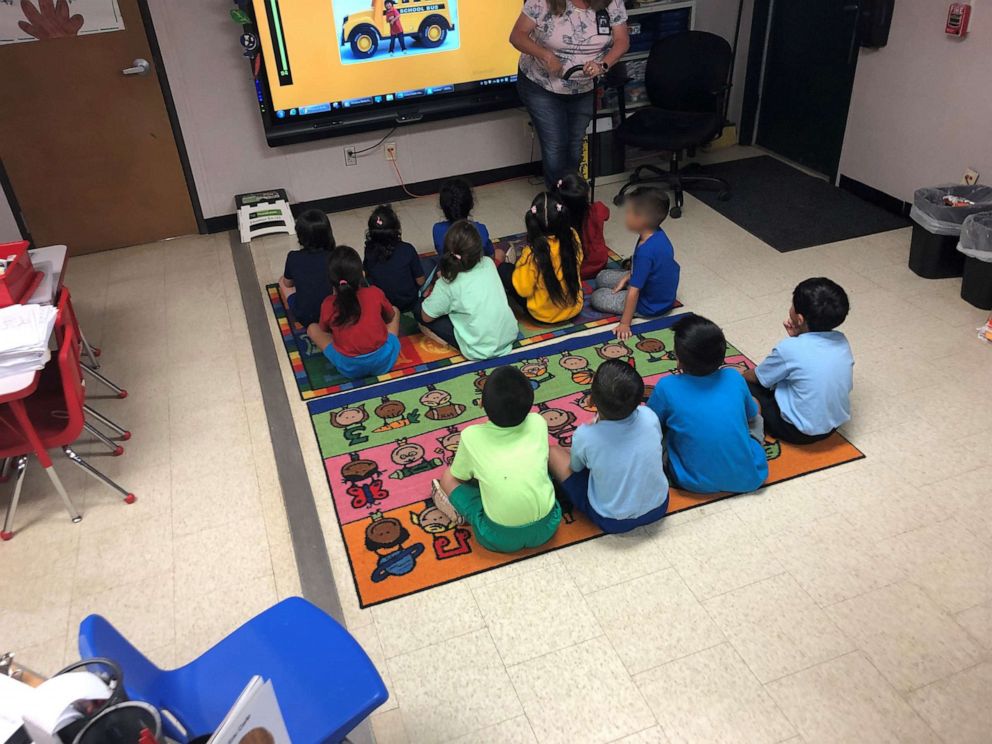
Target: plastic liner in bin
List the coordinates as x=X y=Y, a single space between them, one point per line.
x=939 y=218
x=976 y=237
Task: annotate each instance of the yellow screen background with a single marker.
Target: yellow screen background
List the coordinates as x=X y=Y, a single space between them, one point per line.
x=312 y=42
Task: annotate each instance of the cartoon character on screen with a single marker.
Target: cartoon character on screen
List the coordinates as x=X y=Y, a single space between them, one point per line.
x=479 y=383
x=561 y=423
x=654 y=347
x=449 y=445
x=395 y=26
x=616 y=350
x=577 y=366
x=449 y=540
x=536 y=372
x=364 y=479
x=410 y=457
x=385 y=536
x=351 y=421
x=439 y=405
x=394 y=416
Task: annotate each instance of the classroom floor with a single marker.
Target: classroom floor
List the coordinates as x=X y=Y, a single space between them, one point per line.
x=853 y=605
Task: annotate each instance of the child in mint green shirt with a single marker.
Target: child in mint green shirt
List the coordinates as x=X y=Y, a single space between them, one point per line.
x=466 y=306
x=498 y=481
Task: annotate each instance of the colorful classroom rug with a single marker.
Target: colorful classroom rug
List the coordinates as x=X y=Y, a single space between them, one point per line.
x=380 y=454
x=316 y=376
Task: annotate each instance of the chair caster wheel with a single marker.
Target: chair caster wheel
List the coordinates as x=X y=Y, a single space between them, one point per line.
x=618 y=200
x=77 y=520
x=723 y=196
x=122 y=394
x=130 y=498
x=6 y=535
x=675 y=212
x=118 y=451
x=125 y=436
x=96 y=351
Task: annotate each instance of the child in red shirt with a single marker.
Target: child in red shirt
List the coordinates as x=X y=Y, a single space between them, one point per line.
x=395 y=26
x=358 y=329
x=587 y=220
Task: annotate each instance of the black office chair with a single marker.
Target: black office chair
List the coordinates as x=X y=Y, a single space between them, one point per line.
x=687 y=84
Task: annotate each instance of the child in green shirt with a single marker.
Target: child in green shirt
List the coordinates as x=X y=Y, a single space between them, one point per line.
x=498 y=481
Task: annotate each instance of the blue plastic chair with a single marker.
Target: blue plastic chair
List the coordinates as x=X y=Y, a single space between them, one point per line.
x=325 y=683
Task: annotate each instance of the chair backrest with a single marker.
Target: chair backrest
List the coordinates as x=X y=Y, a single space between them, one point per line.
x=70 y=372
x=688 y=71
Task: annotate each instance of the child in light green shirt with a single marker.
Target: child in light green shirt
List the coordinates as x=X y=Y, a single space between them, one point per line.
x=498 y=481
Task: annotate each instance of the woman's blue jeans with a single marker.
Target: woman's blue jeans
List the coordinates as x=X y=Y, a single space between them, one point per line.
x=560 y=120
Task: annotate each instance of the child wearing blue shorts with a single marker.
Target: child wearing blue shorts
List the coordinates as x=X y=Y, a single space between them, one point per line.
x=614 y=472
x=358 y=329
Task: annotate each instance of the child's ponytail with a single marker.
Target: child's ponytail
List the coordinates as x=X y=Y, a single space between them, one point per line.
x=345 y=272
x=573 y=190
x=462 y=250
x=548 y=218
x=383 y=234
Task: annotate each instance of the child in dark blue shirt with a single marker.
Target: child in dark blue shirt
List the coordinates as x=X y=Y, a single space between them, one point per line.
x=391 y=264
x=456 y=202
x=648 y=289
x=712 y=427
x=304 y=283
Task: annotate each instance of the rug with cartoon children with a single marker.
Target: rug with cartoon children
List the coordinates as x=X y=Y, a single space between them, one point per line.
x=381 y=453
x=316 y=376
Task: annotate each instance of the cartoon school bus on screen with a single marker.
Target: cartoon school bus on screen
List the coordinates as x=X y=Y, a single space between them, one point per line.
x=426 y=21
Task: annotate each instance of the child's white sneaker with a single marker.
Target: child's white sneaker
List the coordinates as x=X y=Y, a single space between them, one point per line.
x=444 y=505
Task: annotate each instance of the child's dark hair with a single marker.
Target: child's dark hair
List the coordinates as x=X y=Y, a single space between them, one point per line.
x=462 y=250
x=344 y=269
x=507 y=397
x=383 y=234
x=573 y=190
x=313 y=231
x=548 y=218
x=456 y=199
x=822 y=302
x=700 y=345
x=652 y=204
x=617 y=390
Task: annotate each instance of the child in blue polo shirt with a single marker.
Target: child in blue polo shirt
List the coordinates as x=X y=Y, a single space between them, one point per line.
x=648 y=289
x=711 y=423
x=457 y=202
x=804 y=385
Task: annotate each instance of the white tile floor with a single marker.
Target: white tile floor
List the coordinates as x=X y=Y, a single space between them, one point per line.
x=853 y=605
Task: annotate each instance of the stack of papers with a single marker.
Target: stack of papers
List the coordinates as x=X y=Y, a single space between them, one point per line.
x=254 y=717
x=24 y=334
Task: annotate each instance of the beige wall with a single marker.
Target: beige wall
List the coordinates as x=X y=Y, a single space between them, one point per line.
x=921 y=110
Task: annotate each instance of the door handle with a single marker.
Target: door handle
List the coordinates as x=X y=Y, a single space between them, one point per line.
x=138 y=67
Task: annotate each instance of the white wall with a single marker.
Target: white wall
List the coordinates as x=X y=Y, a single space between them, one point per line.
x=921 y=111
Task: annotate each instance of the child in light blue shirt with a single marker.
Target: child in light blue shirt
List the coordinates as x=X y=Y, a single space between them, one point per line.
x=804 y=385
x=614 y=472
x=708 y=415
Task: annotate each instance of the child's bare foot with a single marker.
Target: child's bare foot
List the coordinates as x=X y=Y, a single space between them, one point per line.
x=444 y=505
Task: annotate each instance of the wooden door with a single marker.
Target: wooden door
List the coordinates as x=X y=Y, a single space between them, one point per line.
x=89 y=151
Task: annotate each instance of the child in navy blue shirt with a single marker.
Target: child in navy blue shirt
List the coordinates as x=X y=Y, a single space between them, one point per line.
x=804 y=385
x=613 y=473
x=304 y=283
x=711 y=423
x=648 y=289
x=457 y=202
x=391 y=264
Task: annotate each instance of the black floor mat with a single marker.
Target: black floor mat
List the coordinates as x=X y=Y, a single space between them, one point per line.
x=789 y=209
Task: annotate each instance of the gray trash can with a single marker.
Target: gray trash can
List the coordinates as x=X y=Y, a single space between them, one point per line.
x=937 y=224
x=976 y=247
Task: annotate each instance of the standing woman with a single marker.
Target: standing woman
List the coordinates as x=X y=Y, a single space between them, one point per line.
x=553 y=36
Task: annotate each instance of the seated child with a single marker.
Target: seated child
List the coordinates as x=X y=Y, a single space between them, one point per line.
x=358 y=327
x=587 y=220
x=498 y=481
x=465 y=306
x=804 y=385
x=456 y=201
x=544 y=282
x=614 y=472
x=304 y=283
x=391 y=264
x=648 y=289
x=706 y=414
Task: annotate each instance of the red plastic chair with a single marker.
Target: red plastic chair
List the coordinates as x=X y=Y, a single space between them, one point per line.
x=56 y=418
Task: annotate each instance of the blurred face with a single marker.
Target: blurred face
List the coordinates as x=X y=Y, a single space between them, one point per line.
x=635 y=221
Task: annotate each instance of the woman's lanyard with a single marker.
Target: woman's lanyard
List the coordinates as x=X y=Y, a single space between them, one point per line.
x=603 y=27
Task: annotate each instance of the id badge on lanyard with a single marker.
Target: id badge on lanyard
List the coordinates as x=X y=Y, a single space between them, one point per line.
x=603 y=23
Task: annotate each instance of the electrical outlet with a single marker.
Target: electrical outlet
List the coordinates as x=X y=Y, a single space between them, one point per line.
x=350 y=158
x=390 y=150
x=970 y=177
